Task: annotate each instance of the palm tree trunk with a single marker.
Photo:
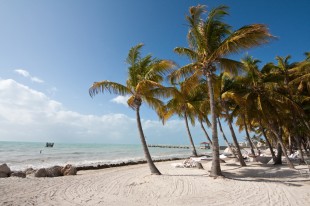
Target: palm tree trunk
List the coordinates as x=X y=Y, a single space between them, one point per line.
x=268 y=143
x=278 y=133
x=290 y=146
x=224 y=137
x=298 y=140
x=248 y=136
x=204 y=130
x=147 y=155
x=194 y=152
x=307 y=146
x=233 y=135
x=278 y=159
x=216 y=166
x=198 y=164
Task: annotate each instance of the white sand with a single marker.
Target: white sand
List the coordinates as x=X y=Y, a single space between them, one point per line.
x=255 y=184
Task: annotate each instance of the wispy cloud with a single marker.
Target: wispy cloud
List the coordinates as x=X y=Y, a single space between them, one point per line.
x=26 y=74
x=121 y=100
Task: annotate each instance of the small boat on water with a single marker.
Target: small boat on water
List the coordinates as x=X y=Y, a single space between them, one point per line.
x=49 y=144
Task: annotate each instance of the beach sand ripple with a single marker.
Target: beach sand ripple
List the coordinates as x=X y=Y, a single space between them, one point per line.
x=255 y=184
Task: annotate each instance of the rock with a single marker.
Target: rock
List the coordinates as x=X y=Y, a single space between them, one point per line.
x=41 y=173
x=29 y=171
x=18 y=174
x=2 y=175
x=5 y=171
x=69 y=170
x=54 y=171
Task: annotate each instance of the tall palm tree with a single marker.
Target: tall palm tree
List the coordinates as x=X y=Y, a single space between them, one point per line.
x=143 y=84
x=210 y=41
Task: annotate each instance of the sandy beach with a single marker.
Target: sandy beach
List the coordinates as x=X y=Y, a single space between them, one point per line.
x=256 y=184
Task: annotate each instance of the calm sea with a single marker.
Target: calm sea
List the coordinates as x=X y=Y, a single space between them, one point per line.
x=23 y=155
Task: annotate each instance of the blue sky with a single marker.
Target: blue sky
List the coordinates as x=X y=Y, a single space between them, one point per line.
x=52 y=51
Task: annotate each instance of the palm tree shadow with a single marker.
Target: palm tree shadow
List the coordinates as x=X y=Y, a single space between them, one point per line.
x=265 y=173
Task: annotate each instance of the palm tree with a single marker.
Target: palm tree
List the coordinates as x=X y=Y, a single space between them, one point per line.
x=143 y=84
x=185 y=102
x=210 y=41
x=287 y=74
x=225 y=84
x=264 y=100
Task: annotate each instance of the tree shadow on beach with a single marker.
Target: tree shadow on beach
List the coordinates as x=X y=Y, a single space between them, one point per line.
x=266 y=173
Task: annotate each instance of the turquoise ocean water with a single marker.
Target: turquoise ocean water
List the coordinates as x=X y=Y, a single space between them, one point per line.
x=23 y=155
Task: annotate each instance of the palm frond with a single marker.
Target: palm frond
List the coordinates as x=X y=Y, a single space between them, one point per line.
x=131 y=102
x=186 y=52
x=134 y=54
x=244 y=38
x=160 y=69
x=145 y=86
x=112 y=87
x=183 y=72
x=230 y=66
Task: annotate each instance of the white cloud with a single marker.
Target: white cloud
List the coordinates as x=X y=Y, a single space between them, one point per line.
x=121 y=100
x=29 y=115
x=36 y=79
x=22 y=72
x=26 y=74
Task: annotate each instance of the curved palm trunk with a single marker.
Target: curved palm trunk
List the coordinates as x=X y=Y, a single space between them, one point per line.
x=204 y=130
x=194 y=152
x=268 y=143
x=236 y=143
x=224 y=137
x=216 y=166
x=198 y=164
x=248 y=136
x=278 y=133
x=147 y=155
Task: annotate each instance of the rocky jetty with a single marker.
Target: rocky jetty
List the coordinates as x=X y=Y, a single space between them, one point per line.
x=54 y=171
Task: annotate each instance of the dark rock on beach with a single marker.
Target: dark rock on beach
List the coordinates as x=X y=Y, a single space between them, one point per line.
x=49 y=172
x=29 y=171
x=41 y=173
x=18 y=174
x=5 y=171
x=69 y=170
